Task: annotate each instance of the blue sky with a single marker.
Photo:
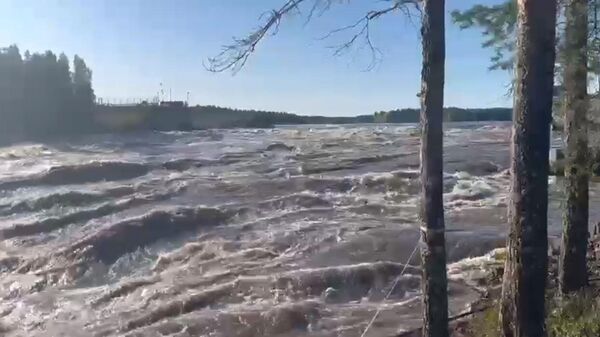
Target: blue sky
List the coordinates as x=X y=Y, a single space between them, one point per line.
x=133 y=45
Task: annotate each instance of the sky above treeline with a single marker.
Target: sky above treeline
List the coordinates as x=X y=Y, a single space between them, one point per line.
x=134 y=45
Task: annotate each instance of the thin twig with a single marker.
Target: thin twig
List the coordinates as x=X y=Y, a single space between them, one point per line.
x=235 y=55
x=362 y=29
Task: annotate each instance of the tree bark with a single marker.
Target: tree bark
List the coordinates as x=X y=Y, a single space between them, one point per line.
x=433 y=245
x=522 y=304
x=573 y=274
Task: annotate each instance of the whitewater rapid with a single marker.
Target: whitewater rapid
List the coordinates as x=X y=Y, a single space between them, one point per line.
x=294 y=231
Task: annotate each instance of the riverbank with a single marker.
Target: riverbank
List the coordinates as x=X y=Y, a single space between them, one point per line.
x=577 y=315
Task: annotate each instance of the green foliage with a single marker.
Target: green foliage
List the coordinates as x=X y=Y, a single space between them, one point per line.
x=498 y=23
x=11 y=87
x=486 y=324
x=380 y=117
x=39 y=96
x=83 y=94
x=398 y=116
x=575 y=316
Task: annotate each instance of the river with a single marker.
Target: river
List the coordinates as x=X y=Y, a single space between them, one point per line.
x=294 y=231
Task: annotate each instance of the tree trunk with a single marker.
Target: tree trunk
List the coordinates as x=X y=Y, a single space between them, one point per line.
x=522 y=307
x=433 y=246
x=573 y=265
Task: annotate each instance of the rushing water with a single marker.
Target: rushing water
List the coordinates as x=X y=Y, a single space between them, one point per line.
x=295 y=231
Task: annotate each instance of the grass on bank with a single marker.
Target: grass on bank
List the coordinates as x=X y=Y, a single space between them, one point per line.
x=573 y=316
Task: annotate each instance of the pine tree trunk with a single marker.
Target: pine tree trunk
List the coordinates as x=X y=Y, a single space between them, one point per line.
x=522 y=307
x=573 y=268
x=433 y=247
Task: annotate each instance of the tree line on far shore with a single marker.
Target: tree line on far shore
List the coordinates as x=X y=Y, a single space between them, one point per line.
x=44 y=94
x=227 y=117
x=220 y=117
x=451 y=114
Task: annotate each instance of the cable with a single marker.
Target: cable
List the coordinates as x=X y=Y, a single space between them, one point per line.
x=390 y=291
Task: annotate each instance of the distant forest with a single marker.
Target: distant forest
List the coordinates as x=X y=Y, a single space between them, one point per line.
x=43 y=94
x=257 y=119
x=226 y=117
x=451 y=114
x=219 y=117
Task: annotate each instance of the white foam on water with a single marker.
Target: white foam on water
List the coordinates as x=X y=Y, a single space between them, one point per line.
x=476 y=191
x=473 y=269
x=316 y=231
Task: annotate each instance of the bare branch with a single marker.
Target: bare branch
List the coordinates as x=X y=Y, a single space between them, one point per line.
x=318 y=6
x=362 y=32
x=235 y=55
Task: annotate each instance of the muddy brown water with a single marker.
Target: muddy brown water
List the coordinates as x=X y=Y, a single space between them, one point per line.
x=295 y=231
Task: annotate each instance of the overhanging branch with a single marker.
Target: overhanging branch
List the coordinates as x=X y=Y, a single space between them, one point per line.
x=235 y=55
x=362 y=29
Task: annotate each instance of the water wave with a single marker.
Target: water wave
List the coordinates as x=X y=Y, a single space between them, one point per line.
x=81 y=174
